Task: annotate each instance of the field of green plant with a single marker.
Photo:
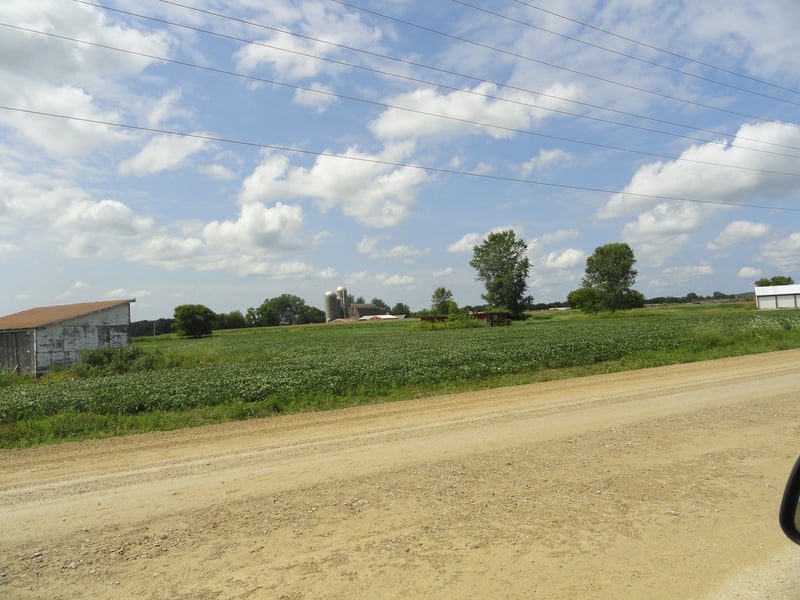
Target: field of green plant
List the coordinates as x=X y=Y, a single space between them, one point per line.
x=167 y=382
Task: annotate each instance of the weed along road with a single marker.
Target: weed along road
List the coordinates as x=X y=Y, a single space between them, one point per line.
x=658 y=483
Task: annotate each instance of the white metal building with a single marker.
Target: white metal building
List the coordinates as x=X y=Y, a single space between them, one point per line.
x=33 y=340
x=778 y=296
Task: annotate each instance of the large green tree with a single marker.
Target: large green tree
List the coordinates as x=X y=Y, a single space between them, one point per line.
x=502 y=264
x=442 y=301
x=401 y=309
x=193 y=320
x=286 y=309
x=381 y=304
x=608 y=280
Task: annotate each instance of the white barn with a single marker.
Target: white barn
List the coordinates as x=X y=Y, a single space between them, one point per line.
x=33 y=340
x=778 y=296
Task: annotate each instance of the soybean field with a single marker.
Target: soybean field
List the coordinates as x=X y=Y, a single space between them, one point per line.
x=172 y=382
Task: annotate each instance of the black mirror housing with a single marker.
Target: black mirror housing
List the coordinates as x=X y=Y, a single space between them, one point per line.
x=790 y=505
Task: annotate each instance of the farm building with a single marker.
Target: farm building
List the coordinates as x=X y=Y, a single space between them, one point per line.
x=778 y=296
x=33 y=340
x=357 y=311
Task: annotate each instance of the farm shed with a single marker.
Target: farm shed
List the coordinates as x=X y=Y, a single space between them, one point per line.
x=33 y=340
x=486 y=318
x=778 y=296
x=493 y=318
x=356 y=311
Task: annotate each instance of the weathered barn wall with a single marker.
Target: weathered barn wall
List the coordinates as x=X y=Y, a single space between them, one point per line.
x=63 y=342
x=16 y=351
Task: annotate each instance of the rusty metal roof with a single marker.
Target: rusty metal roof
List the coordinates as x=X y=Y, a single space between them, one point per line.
x=47 y=315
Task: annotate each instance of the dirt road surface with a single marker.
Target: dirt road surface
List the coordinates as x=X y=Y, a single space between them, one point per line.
x=660 y=483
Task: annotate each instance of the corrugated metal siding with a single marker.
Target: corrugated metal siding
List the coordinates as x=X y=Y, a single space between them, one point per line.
x=17 y=351
x=778 y=296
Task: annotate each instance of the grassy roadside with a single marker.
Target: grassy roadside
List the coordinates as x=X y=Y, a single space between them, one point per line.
x=168 y=383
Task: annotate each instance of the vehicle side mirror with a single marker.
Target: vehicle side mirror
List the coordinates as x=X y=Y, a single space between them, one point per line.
x=790 y=505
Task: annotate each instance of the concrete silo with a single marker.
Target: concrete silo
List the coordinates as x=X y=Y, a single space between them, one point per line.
x=341 y=296
x=331 y=306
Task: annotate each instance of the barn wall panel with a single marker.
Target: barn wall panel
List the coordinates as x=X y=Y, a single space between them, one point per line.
x=16 y=351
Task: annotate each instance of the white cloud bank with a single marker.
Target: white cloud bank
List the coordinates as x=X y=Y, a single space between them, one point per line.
x=760 y=176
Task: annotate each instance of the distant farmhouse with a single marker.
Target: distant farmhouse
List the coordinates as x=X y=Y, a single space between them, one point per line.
x=778 y=296
x=33 y=340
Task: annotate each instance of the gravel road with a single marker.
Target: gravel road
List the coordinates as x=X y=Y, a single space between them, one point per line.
x=659 y=483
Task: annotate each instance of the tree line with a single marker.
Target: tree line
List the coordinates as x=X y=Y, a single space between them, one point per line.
x=501 y=262
x=197 y=320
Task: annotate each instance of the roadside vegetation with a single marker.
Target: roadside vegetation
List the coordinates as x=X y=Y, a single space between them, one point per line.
x=168 y=382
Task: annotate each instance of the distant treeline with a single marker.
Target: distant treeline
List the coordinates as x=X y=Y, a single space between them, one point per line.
x=287 y=310
x=157 y=327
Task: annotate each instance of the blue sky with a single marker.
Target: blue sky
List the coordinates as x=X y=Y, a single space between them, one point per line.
x=225 y=152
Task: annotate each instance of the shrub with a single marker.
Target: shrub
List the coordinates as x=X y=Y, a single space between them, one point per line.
x=117 y=361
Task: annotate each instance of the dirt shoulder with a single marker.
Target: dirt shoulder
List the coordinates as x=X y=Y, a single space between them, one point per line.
x=659 y=483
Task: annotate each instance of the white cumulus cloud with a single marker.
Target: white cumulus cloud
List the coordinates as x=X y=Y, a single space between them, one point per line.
x=782 y=253
x=400 y=280
x=543 y=160
x=373 y=194
x=259 y=226
x=760 y=178
x=659 y=233
x=739 y=232
x=748 y=273
x=162 y=153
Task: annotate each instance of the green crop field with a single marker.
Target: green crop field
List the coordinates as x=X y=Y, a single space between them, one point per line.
x=174 y=382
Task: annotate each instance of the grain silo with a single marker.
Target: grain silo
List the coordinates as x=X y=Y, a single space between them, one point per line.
x=332 y=310
x=341 y=296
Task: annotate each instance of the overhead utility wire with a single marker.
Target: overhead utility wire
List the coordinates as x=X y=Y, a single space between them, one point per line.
x=454 y=73
x=623 y=54
x=396 y=107
x=554 y=66
x=387 y=163
x=652 y=47
x=449 y=72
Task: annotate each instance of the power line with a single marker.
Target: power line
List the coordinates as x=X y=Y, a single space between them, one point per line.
x=401 y=108
x=387 y=163
x=623 y=54
x=652 y=47
x=457 y=74
x=547 y=64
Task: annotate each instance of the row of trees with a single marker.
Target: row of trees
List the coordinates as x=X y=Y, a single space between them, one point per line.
x=503 y=266
x=501 y=263
x=286 y=309
x=776 y=280
x=607 y=285
x=197 y=320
